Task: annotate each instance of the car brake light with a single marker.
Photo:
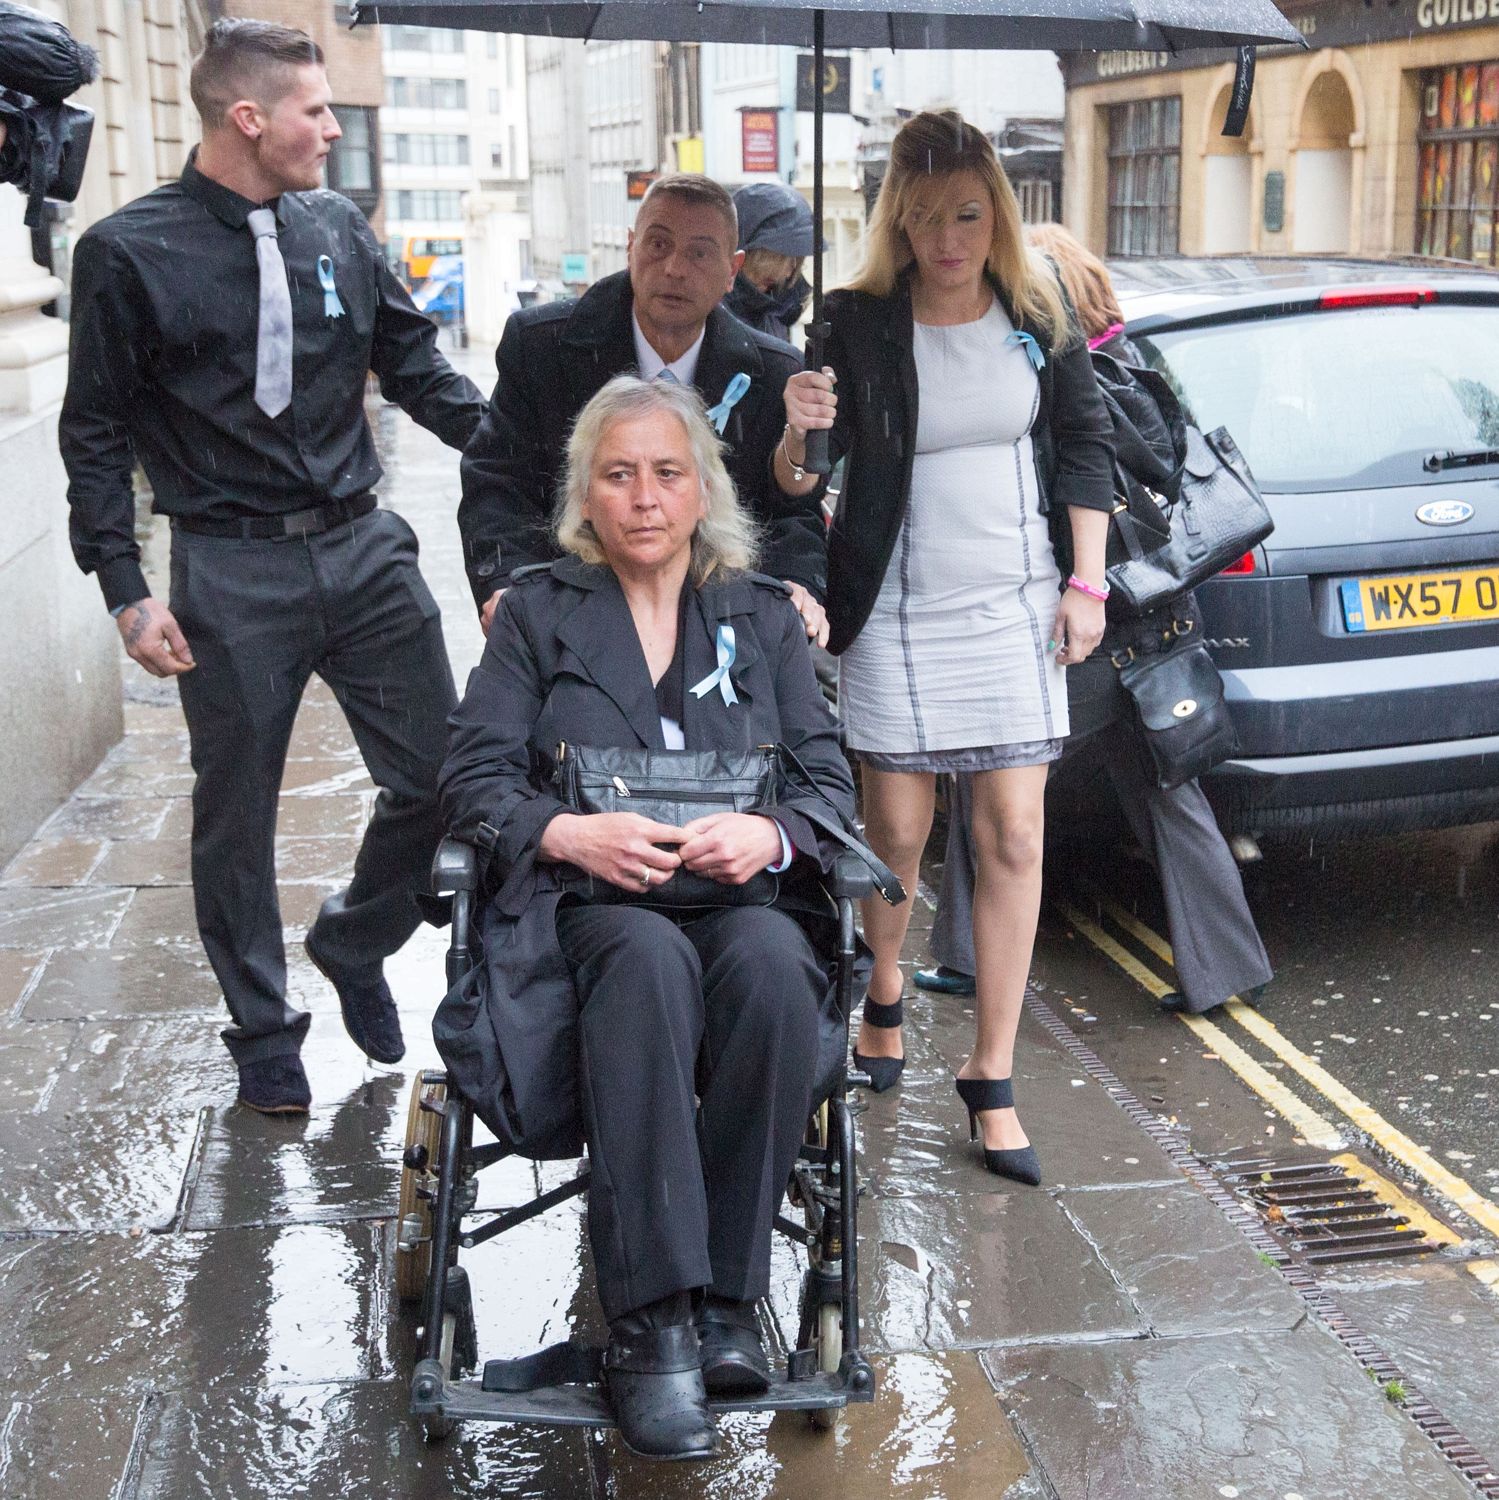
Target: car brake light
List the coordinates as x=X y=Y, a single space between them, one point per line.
x=1244 y=565
x=1389 y=296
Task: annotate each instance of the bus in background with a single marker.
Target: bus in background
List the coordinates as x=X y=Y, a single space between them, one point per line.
x=411 y=257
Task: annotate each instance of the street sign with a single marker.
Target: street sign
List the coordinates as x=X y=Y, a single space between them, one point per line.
x=760 y=140
x=837 y=85
x=575 y=268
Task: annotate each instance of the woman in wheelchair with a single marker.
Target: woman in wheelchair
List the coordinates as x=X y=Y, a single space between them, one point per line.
x=687 y=1041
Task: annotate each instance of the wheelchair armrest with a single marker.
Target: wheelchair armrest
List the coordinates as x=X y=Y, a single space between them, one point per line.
x=851 y=879
x=455 y=867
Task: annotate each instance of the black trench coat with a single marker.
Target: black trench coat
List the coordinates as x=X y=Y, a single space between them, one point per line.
x=564 y=662
x=870 y=347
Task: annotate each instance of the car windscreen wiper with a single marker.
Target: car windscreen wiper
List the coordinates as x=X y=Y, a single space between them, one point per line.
x=1467 y=458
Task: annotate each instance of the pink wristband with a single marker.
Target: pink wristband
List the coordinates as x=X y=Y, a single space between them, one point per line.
x=1087 y=588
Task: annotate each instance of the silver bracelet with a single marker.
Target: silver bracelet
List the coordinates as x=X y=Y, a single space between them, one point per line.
x=798 y=472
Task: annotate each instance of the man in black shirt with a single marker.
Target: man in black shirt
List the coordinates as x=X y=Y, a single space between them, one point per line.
x=659 y=319
x=223 y=326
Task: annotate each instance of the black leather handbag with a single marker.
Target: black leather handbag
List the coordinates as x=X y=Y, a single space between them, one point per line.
x=1218 y=516
x=670 y=786
x=676 y=786
x=1178 y=695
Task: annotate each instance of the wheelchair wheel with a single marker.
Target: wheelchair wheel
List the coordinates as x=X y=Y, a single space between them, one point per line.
x=829 y=1357
x=418 y=1165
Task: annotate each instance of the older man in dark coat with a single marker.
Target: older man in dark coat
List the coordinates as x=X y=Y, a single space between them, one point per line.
x=661 y=319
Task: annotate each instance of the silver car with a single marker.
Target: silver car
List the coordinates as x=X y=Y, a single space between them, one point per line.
x=1360 y=643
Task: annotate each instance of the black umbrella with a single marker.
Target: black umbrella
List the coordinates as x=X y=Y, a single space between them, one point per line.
x=1055 y=25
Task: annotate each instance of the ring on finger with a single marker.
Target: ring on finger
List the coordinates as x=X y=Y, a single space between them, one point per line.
x=645 y=875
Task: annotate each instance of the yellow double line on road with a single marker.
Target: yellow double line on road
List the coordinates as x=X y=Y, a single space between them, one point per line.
x=1314 y=1127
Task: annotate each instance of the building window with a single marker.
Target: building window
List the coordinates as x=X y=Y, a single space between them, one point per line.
x=1144 y=176
x=351 y=162
x=426 y=93
x=1034 y=196
x=444 y=205
x=494 y=101
x=420 y=150
x=491 y=45
x=420 y=38
x=497 y=157
x=1458 y=142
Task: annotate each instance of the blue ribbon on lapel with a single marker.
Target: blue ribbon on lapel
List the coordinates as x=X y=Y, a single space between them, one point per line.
x=332 y=307
x=719 y=676
x=1031 y=347
x=719 y=415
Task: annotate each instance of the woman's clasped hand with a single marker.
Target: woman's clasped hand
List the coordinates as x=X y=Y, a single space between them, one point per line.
x=627 y=849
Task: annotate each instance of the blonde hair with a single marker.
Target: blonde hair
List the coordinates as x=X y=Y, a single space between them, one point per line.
x=929 y=147
x=726 y=537
x=1084 y=276
x=769 y=266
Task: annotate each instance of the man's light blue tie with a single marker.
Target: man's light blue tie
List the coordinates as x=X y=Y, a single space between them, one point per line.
x=274 y=332
x=666 y=375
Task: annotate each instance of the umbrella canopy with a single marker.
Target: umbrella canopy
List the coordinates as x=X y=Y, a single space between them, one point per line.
x=1056 y=25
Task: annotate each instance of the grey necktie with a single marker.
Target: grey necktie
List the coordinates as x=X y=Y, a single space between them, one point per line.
x=273 y=336
x=664 y=373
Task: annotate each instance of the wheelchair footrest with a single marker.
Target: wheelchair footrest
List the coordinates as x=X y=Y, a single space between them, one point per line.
x=568 y=1404
x=571 y=1363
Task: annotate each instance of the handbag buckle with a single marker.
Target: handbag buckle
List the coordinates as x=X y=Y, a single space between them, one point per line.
x=1180 y=628
x=1121 y=659
x=1185 y=709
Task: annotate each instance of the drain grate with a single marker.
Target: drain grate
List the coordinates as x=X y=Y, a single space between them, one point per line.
x=1458 y=1450
x=1321 y=1213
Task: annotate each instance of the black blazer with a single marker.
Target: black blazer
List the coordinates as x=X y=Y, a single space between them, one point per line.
x=564 y=662
x=870 y=348
x=552 y=359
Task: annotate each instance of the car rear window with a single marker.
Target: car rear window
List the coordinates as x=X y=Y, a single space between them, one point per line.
x=1344 y=399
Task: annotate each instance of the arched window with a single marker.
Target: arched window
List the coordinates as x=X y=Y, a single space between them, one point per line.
x=1227 y=184
x=1324 y=167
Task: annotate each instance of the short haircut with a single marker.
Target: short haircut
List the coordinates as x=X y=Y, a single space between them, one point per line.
x=244 y=59
x=692 y=187
x=725 y=538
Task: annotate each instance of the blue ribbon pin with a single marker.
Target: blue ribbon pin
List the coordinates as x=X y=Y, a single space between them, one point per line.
x=719 y=417
x=1031 y=347
x=719 y=677
x=332 y=307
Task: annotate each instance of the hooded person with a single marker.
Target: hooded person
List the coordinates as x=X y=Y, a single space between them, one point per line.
x=775 y=233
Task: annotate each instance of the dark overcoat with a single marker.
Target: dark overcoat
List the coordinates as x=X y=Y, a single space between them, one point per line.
x=564 y=662
x=552 y=359
x=871 y=350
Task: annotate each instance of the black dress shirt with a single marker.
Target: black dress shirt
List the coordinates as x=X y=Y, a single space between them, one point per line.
x=166 y=298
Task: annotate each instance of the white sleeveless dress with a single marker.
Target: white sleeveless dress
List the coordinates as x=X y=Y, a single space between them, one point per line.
x=951 y=672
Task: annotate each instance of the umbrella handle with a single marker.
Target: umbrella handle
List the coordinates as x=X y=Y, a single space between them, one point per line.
x=816 y=461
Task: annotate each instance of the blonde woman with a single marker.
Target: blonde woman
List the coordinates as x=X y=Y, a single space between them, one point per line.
x=965 y=402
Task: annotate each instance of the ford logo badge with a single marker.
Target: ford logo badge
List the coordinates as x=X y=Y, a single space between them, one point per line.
x=1444 y=513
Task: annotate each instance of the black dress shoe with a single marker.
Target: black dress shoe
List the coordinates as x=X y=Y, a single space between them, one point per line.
x=734 y=1362
x=369 y=1009
x=275 y=1085
x=654 y=1378
x=1018 y=1163
x=944 y=981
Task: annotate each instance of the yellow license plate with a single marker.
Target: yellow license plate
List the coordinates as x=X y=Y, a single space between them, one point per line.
x=1421 y=599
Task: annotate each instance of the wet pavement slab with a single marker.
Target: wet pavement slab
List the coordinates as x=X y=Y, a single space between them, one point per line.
x=197 y=1301
x=1248 y=1415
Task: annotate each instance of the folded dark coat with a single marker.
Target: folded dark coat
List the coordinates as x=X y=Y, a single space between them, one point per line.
x=564 y=662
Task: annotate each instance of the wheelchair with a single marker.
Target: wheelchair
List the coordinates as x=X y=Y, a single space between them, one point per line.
x=562 y=1385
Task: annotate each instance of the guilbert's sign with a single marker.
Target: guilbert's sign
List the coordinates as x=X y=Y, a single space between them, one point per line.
x=1340 y=23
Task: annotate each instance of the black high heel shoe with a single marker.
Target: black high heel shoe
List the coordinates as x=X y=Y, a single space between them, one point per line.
x=979 y=1094
x=884 y=1072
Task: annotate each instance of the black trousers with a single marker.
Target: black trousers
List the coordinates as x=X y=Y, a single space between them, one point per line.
x=697 y=1055
x=350 y=605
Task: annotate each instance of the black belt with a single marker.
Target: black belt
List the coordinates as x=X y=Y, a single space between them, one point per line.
x=295 y=523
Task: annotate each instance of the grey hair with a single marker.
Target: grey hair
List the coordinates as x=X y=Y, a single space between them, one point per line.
x=726 y=537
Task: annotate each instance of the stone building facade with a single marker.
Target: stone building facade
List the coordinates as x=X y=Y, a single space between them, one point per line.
x=60 y=680
x=1382 y=138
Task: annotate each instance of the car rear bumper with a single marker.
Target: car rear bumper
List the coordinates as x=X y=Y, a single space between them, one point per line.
x=1381 y=790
